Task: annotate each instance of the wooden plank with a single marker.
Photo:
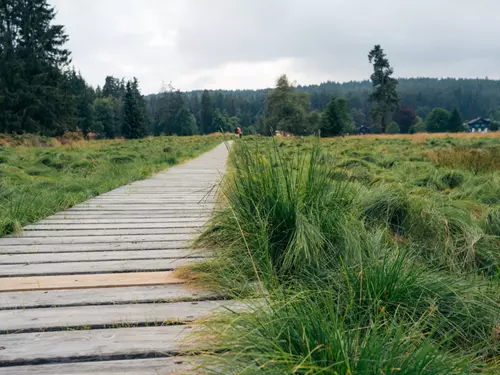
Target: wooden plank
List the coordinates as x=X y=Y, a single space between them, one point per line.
x=168 y=222
x=151 y=314
x=151 y=207
x=99 y=256
x=28 y=348
x=87 y=281
x=180 y=365
x=75 y=232
x=8 y=270
x=80 y=297
x=100 y=214
x=92 y=239
x=112 y=246
x=75 y=225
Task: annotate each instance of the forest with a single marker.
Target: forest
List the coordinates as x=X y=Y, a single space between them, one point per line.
x=42 y=93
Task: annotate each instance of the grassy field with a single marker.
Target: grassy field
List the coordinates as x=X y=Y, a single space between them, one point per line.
x=374 y=255
x=41 y=177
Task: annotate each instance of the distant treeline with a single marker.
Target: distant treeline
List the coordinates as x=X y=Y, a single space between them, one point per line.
x=471 y=97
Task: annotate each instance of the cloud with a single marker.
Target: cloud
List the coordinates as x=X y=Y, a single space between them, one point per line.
x=197 y=44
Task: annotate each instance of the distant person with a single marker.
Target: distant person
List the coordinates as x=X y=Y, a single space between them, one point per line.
x=239 y=133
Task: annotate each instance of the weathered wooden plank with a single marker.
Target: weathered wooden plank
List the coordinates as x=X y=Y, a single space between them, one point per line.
x=109 y=296
x=87 y=281
x=28 y=348
x=180 y=365
x=99 y=256
x=92 y=239
x=112 y=246
x=99 y=214
x=154 y=314
x=75 y=232
x=168 y=222
x=75 y=225
x=94 y=267
x=151 y=207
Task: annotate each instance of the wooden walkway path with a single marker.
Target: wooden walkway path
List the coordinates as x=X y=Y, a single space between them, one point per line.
x=90 y=290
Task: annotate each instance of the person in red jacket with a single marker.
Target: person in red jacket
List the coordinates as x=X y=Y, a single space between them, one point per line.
x=239 y=132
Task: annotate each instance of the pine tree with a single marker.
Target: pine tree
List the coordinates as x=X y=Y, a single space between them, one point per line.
x=384 y=93
x=134 y=119
x=206 y=113
x=455 y=122
x=31 y=63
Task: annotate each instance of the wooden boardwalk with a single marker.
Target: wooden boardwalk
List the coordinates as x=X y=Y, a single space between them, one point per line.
x=90 y=290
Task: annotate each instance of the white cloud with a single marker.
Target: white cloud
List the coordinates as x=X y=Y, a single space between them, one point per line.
x=197 y=44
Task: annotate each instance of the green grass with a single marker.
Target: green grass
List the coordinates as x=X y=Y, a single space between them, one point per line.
x=36 y=182
x=371 y=257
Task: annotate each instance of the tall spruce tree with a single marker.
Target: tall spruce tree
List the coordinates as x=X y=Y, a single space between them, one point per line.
x=32 y=56
x=384 y=96
x=455 y=122
x=134 y=112
x=207 y=114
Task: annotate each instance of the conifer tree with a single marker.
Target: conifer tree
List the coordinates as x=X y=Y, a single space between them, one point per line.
x=455 y=122
x=384 y=95
x=206 y=113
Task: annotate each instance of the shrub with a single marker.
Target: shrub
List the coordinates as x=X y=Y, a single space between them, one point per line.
x=393 y=128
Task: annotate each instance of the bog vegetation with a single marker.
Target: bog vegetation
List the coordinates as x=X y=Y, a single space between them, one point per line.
x=40 y=176
x=373 y=255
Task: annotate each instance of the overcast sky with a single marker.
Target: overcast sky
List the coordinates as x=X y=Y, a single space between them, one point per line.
x=232 y=44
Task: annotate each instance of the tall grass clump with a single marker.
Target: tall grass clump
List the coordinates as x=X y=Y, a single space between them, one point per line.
x=387 y=316
x=284 y=214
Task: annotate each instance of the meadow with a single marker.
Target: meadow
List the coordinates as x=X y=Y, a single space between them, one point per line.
x=40 y=176
x=372 y=254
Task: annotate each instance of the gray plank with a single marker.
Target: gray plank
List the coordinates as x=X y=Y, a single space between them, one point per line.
x=75 y=225
x=92 y=239
x=181 y=365
x=38 y=269
x=111 y=246
x=155 y=314
x=75 y=232
x=142 y=207
x=98 y=214
x=79 y=297
x=25 y=348
x=98 y=256
x=168 y=222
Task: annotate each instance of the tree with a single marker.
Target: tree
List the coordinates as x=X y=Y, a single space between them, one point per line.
x=219 y=122
x=104 y=112
x=455 y=122
x=384 y=93
x=419 y=127
x=134 y=119
x=184 y=122
x=336 y=119
x=393 y=128
x=405 y=117
x=32 y=57
x=206 y=116
x=113 y=87
x=437 y=121
x=285 y=109
x=313 y=122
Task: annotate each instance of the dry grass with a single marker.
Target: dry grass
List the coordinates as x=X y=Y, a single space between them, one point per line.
x=423 y=137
